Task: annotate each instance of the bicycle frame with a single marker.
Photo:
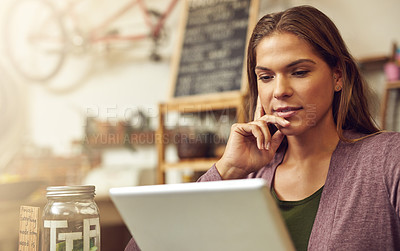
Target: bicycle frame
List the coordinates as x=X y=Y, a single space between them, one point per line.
x=155 y=28
x=56 y=34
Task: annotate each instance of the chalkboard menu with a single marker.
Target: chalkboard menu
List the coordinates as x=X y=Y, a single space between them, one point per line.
x=213 y=47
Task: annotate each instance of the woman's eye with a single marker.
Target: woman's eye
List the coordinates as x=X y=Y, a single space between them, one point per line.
x=300 y=73
x=265 y=78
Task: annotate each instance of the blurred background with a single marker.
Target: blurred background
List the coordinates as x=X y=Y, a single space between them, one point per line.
x=87 y=111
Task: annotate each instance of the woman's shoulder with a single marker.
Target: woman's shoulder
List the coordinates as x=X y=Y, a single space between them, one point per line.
x=389 y=142
x=376 y=154
x=380 y=138
x=382 y=145
x=384 y=139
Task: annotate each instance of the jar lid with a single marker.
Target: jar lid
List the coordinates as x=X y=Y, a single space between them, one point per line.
x=58 y=191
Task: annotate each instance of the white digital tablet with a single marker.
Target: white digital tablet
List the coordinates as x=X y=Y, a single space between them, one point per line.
x=217 y=215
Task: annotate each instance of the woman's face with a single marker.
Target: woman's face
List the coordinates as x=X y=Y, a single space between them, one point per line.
x=294 y=82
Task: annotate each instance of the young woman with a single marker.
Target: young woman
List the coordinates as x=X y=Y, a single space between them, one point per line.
x=334 y=175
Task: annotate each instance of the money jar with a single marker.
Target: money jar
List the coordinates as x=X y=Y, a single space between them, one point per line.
x=70 y=219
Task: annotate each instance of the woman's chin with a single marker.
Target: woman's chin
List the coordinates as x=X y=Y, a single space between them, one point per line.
x=292 y=130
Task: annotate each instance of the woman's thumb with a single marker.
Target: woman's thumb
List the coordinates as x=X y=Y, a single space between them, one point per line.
x=276 y=140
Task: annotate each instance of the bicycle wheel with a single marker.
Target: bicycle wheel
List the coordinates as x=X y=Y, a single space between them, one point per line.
x=35 y=39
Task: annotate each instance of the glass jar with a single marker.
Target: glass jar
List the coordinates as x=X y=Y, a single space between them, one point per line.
x=70 y=219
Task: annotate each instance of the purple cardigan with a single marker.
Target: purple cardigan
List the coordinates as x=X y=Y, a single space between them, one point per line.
x=360 y=204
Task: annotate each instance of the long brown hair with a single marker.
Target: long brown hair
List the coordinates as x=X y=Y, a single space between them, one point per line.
x=350 y=108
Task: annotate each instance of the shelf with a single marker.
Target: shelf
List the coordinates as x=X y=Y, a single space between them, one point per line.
x=194 y=164
x=373 y=63
x=188 y=105
x=388 y=86
x=373 y=59
x=182 y=106
x=393 y=85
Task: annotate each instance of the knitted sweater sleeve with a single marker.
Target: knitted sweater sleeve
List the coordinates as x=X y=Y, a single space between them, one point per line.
x=392 y=170
x=211 y=175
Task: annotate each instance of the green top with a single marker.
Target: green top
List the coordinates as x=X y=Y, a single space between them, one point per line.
x=299 y=217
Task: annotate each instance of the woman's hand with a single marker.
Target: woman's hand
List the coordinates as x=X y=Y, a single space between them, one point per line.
x=250 y=145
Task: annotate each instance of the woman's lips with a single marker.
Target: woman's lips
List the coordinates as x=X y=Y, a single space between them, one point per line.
x=286 y=112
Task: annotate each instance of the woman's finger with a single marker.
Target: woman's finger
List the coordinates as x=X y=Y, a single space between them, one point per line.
x=278 y=121
x=251 y=129
x=259 y=110
x=263 y=123
x=276 y=141
x=266 y=137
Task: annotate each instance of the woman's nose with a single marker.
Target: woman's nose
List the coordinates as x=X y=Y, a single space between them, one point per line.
x=282 y=88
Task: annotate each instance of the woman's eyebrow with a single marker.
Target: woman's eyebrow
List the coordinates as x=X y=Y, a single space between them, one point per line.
x=262 y=68
x=296 y=62
x=299 y=61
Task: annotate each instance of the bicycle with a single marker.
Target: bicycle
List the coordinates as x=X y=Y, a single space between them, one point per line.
x=42 y=35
